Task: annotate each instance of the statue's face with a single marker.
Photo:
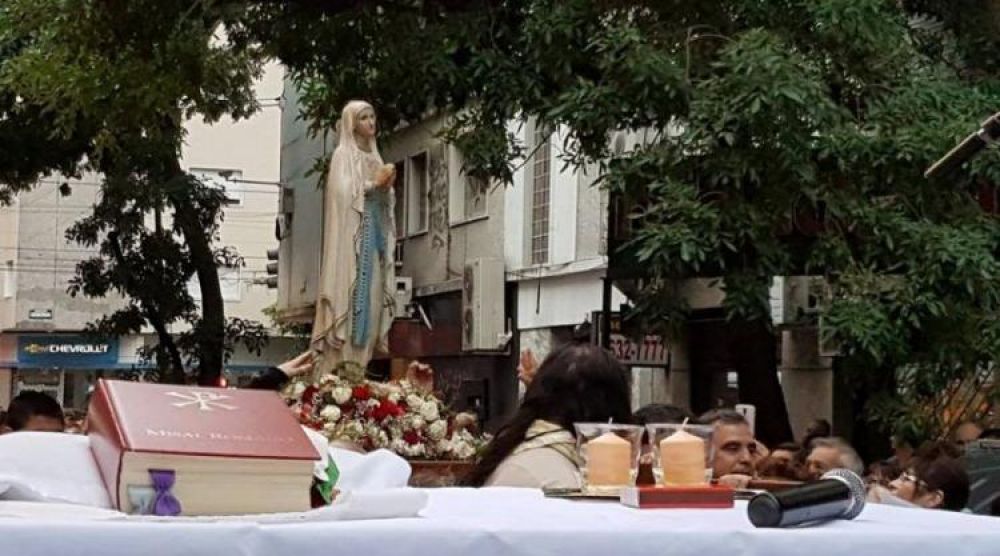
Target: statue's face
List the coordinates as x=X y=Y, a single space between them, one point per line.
x=364 y=125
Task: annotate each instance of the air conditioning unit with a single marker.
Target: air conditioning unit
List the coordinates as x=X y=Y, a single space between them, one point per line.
x=483 y=305
x=403 y=292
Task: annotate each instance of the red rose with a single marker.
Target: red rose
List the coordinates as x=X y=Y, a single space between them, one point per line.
x=361 y=393
x=412 y=437
x=386 y=408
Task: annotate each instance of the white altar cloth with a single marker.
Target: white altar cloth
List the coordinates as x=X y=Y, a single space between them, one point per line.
x=488 y=522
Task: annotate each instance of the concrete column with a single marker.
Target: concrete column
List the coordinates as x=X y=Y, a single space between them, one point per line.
x=806 y=378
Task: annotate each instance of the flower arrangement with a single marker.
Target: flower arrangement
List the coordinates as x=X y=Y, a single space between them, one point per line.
x=404 y=417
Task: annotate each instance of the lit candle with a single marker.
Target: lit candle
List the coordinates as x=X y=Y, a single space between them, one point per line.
x=609 y=460
x=682 y=458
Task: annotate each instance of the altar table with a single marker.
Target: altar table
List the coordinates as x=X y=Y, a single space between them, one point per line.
x=488 y=522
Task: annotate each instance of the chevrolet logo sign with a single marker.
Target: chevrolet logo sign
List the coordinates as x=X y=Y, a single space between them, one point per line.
x=83 y=349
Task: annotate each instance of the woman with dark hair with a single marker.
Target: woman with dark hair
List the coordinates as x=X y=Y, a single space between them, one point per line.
x=934 y=483
x=576 y=383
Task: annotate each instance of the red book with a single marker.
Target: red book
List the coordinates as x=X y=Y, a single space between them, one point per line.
x=694 y=497
x=231 y=451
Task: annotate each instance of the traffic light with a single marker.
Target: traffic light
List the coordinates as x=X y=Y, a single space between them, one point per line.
x=272 y=269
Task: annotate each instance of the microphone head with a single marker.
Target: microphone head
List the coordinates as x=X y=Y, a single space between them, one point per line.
x=855 y=485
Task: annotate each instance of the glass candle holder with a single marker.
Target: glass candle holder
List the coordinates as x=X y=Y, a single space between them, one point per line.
x=682 y=455
x=610 y=455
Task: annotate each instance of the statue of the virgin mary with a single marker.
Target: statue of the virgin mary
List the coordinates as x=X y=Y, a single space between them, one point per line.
x=355 y=305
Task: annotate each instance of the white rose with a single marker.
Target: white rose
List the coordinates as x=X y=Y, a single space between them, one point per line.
x=462 y=450
x=429 y=411
x=330 y=413
x=398 y=446
x=417 y=423
x=395 y=396
x=414 y=401
x=298 y=389
x=341 y=395
x=415 y=450
x=353 y=429
x=437 y=430
x=443 y=446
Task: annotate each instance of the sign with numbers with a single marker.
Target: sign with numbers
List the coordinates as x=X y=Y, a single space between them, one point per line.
x=633 y=348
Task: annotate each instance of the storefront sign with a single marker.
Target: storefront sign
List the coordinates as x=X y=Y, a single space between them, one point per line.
x=633 y=348
x=71 y=351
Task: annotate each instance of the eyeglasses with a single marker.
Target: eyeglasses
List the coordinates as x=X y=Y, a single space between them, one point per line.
x=918 y=482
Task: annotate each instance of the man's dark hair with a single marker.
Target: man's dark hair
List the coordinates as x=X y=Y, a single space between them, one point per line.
x=27 y=404
x=660 y=413
x=787 y=447
x=723 y=416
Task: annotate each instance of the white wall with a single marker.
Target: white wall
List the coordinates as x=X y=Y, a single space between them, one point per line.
x=563 y=207
x=563 y=300
x=253 y=148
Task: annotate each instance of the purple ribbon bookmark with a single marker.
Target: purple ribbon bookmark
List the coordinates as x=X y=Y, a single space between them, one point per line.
x=164 y=503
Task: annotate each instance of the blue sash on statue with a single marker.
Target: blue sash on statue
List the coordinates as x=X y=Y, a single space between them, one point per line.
x=372 y=247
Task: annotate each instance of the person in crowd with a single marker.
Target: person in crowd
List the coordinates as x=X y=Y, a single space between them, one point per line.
x=760 y=454
x=965 y=433
x=819 y=428
x=785 y=452
x=275 y=378
x=830 y=452
x=661 y=413
x=76 y=421
x=733 y=447
x=902 y=450
x=537 y=447
x=34 y=411
x=933 y=482
x=881 y=473
x=527 y=368
x=782 y=463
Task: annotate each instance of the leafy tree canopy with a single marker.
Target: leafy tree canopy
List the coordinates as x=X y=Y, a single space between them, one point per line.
x=789 y=138
x=105 y=87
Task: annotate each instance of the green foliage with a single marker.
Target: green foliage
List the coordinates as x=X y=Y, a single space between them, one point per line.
x=783 y=138
x=105 y=87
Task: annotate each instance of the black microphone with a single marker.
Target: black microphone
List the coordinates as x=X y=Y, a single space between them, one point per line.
x=964 y=151
x=840 y=494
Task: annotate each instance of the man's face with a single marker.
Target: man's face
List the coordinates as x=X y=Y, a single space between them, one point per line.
x=43 y=423
x=734 y=450
x=967 y=432
x=822 y=459
x=784 y=456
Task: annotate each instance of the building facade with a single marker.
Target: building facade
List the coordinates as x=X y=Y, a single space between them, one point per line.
x=42 y=345
x=485 y=271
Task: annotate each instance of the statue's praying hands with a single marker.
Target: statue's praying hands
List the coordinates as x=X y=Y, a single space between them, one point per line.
x=386 y=176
